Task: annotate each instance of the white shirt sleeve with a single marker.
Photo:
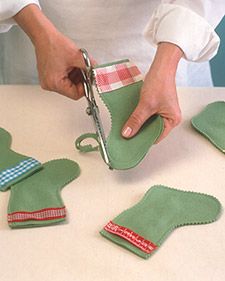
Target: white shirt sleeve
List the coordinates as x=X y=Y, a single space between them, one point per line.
x=9 y=8
x=189 y=25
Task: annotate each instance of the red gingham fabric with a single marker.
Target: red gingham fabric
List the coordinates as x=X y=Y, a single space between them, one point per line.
x=43 y=214
x=113 y=77
x=132 y=237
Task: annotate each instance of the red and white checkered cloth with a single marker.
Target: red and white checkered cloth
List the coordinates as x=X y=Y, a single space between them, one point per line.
x=40 y=215
x=115 y=76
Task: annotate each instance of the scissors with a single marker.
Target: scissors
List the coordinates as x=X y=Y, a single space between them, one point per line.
x=92 y=108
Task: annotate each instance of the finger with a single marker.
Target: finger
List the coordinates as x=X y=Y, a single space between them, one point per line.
x=75 y=75
x=80 y=90
x=136 y=120
x=79 y=61
x=66 y=88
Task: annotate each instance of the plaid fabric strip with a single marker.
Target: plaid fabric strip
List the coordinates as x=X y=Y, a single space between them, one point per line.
x=132 y=237
x=40 y=215
x=12 y=173
x=116 y=76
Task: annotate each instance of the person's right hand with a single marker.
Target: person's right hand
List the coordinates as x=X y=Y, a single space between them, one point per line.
x=59 y=60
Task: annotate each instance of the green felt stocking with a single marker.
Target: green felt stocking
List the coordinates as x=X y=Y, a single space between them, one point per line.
x=13 y=166
x=143 y=228
x=36 y=201
x=121 y=102
x=211 y=123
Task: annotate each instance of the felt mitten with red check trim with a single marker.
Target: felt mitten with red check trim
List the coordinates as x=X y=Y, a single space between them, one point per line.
x=36 y=201
x=13 y=166
x=118 y=85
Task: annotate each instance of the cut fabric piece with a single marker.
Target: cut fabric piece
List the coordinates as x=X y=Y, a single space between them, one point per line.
x=112 y=77
x=143 y=228
x=119 y=85
x=210 y=122
x=13 y=166
x=36 y=201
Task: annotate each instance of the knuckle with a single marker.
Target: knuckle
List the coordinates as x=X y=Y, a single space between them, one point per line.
x=136 y=120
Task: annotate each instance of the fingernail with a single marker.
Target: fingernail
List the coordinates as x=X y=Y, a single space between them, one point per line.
x=127 y=132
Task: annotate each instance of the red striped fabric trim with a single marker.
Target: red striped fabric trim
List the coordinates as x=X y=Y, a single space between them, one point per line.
x=40 y=215
x=132 y=237
x=116 y=76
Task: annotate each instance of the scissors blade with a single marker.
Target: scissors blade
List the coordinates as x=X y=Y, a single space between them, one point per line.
x=93 y=109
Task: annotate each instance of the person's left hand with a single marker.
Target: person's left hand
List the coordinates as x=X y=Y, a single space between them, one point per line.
x=158 y=94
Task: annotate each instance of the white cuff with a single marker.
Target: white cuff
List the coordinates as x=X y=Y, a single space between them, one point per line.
x=184 y=28
x=11 y=8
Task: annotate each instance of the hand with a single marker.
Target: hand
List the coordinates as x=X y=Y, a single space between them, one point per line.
x=158 y=94
x=59 y=60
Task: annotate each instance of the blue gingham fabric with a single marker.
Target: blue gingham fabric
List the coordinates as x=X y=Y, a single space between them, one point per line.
x=20 y=169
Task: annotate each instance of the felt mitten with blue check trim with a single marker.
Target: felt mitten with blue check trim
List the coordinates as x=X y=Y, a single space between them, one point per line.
x=13 y=166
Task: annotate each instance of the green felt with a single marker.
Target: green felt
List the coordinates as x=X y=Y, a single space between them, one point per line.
x=42 y=190
x=87 y=147
x=10 y=158
x=127 y=153
x=160 y=211
x=210 y=122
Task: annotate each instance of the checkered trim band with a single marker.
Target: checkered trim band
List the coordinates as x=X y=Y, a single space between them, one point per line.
x=12 y=173
x=132 y=237
x=116 y=76
x=40 y=215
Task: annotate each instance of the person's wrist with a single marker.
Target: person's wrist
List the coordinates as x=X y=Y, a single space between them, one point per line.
x=161 y=74
x=166 y=60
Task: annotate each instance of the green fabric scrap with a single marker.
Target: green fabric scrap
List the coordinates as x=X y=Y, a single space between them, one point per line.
x=210 y=122
x=36 y=201
x=160 y=211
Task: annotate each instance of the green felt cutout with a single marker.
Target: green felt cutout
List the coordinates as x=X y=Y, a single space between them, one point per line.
x=5 y=139
x=211 y=123
x=87 y=147
x=127 y=153
x=11 y=159
x=42 y=191
x=160 y=211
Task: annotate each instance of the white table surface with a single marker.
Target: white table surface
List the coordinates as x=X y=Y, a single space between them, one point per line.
x=44 y=125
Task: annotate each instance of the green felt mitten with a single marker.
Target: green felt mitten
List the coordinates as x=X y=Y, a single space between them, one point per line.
x=36 y=201
x=211 y=123
x=143 y=228
x=13 y=166
x=119 y=85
